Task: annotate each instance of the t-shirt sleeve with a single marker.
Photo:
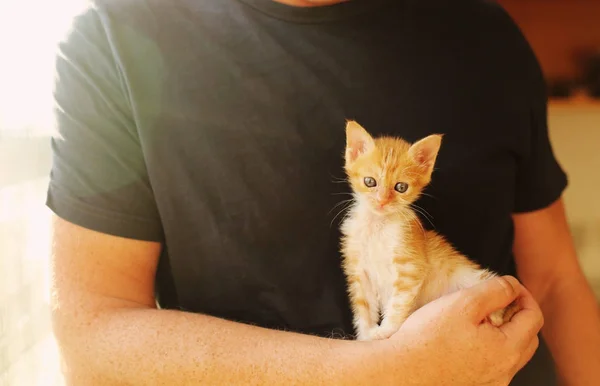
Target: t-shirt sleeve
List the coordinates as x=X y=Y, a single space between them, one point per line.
x=98 y=178
x=540 y=178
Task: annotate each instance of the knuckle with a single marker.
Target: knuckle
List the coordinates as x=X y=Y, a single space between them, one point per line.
x=541 y=320
x=537 y=323
x=536 y=343
x=509 y=285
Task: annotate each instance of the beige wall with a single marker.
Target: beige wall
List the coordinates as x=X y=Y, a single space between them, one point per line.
x=575 y=134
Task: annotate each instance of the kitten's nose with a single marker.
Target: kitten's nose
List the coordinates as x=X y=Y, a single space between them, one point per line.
x=383 y=201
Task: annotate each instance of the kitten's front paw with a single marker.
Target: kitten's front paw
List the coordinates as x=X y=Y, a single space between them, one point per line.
x=363 y=332
x=363 y=335
x=498 y=318
x=382 y=332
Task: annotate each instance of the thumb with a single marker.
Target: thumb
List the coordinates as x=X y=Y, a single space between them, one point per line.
x=488 y=296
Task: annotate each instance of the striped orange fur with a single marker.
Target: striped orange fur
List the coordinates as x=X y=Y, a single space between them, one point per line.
x=393 y=265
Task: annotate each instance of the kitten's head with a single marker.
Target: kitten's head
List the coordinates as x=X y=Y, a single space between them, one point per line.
x=388 y=174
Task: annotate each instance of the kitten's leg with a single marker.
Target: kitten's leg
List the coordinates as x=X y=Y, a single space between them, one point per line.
x=402 y=303
x=365 y=307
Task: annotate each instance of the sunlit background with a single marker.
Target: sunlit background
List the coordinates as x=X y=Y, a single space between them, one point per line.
x=29 y=29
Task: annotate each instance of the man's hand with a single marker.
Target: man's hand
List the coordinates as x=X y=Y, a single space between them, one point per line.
x=449 y=342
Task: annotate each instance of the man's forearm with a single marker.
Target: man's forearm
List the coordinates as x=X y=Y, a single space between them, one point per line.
x=572 y=330
x=148 y=346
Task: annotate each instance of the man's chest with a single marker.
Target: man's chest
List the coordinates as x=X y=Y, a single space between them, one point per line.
x=245 y=160
x=270 y=144
x=256 y=174
x=251 y=200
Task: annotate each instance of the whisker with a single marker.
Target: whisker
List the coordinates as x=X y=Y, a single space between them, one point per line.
x=427 y=194
x=418 y=222
x=337 y=179
x=342 y=210
x=424 y=214
x=421 y=226
x=418 y=210
x=406 y=219
x=340 y=203
x=423 y=209
x=346 y=215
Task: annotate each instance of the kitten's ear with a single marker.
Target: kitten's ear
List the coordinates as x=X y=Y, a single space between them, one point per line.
x=424 y=152
x=358 y=141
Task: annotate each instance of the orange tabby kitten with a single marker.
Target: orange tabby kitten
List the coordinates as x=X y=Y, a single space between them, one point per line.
x=393 y=266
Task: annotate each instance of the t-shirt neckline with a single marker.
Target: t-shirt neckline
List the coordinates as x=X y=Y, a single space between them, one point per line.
x=313 y=15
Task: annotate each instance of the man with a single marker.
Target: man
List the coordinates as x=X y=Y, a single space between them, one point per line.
x=199 y=146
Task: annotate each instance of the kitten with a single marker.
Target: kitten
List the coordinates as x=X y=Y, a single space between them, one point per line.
x=392 y=265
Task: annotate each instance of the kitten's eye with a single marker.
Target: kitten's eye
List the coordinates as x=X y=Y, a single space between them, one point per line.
x=401 y=187
x=370 y=182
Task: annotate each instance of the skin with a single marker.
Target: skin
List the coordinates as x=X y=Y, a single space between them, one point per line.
x=548 y=265
x=310 y=3
x=110 y=332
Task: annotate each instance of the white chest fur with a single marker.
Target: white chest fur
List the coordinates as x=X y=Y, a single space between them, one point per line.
x=375 y=241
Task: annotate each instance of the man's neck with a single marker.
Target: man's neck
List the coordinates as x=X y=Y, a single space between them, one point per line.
x=309 y=3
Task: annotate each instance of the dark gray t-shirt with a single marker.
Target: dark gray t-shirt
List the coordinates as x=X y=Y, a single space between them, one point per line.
x=217 y=129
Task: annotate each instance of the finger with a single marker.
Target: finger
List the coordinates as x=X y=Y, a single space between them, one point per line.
x=526 y=323
x=490 y=295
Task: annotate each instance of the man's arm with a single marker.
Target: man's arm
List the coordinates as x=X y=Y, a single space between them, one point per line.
x=547 y=264
x=110 y=332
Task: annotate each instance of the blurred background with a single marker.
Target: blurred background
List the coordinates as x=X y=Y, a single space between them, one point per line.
x=565 y=35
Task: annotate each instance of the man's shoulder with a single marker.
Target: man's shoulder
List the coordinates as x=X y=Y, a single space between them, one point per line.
x=114 y=23
x=479 y=31
x=482 y=8
x=485 y=17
